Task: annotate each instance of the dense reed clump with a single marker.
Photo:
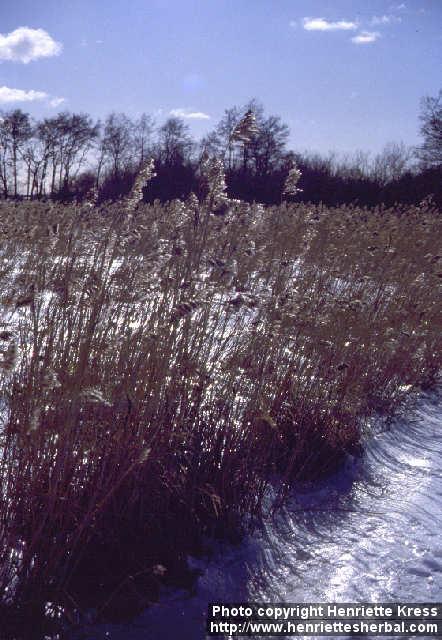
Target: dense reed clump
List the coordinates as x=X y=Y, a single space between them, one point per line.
x=158 y=370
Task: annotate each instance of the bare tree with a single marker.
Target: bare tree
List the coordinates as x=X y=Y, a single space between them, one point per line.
x=33 y=158
x=4 y=153
x=392 y=162
x=142 y=136
x=175 y=143
x=354 y=166
x=210 y=145
x=117 y=143
x=46 y=155
x=265 y=149
x=77 y=136
x=221 y=141
x=268 y=146
x=63 y=144
x=430 y=152
x=16 y=129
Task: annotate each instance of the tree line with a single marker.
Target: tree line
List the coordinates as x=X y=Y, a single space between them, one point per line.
x=65 y=156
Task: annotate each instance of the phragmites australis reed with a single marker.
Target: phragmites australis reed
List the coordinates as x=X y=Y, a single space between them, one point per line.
x=291 y=183
x=157 y=376
x=9 y=359
x=91 y=198
x=246 y=129
x=144 y=176
x=212 y=170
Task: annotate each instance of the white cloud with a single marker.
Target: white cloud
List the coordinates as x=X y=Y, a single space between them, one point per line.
x=56 y=102
x=8 y=96
x=319 y=24
x=376 y=20
x=189 y=115
x=399 y=7
x=25 y=44
x=18 y=95
x=366 y=37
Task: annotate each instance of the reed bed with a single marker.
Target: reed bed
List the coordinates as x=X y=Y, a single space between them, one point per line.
x=161 y=368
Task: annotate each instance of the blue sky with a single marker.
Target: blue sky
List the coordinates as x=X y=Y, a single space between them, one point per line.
x=344 y=75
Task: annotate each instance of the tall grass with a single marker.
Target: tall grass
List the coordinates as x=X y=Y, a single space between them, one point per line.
x=160 y=369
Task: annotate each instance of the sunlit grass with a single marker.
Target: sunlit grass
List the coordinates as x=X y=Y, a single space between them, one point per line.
x=158 y=370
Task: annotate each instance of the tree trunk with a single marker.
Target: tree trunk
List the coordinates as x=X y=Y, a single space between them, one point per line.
x=14 y=168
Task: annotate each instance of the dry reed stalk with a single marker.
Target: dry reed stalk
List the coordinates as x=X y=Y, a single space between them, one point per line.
x=229 y=351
